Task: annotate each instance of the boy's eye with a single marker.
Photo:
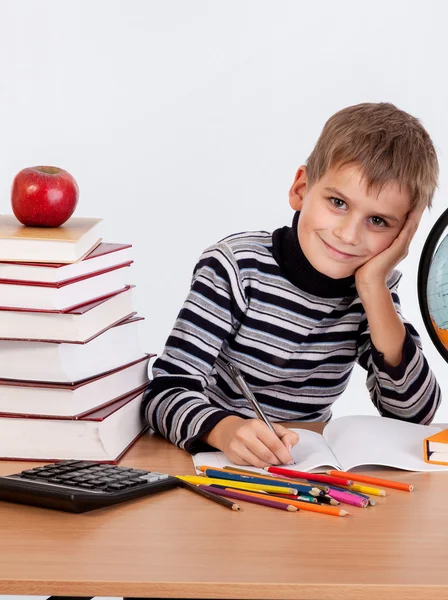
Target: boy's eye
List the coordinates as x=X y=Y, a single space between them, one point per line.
x=337 y=202
x=379 y=222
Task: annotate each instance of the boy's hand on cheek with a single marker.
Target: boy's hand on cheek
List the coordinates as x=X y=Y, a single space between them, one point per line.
x=251 y=442
x=376 y=270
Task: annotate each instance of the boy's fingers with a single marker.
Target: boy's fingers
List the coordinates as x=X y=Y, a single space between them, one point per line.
x=262 y=453
x=288 y=437
x=245 y=457
x=275 y=445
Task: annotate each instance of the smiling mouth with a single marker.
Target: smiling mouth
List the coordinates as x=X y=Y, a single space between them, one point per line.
x=338 y=253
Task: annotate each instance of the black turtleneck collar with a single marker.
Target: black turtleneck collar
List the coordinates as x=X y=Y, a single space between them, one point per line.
x=300 y=272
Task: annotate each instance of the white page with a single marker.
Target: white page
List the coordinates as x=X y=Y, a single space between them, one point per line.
x=375 y=440
x=312 y=452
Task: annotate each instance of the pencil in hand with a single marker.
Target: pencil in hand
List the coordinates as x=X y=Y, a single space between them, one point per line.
x=206 y=494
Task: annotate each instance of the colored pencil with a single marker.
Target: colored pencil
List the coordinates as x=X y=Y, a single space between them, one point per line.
x=319 y=508
x=303 y=498
x=366 y=496
x=328 y=500
x=264 y=501
x=206 y=494
x=366 y=489
x=228 y=469
x=396 y=485
x=292 y=474
x=220 y=474
x=348 y=498
x=199 y=480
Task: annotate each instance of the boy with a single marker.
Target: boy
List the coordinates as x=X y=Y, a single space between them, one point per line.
x=296 y=308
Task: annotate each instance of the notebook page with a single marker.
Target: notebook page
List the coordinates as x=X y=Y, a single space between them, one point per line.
x=311 y=453
x=374 y=440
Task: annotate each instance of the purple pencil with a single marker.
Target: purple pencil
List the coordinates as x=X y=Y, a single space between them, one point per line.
x=236 y=496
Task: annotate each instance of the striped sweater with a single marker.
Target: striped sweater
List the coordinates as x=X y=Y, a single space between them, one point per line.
x=294 y=333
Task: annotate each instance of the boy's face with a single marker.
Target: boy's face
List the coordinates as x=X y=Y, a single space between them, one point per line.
x=341 y=225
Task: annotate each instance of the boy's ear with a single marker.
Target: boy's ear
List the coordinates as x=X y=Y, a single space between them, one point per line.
x=298 y=189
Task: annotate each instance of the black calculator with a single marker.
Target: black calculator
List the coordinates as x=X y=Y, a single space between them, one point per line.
x=78 y=486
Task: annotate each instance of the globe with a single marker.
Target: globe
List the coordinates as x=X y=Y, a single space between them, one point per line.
x=432 y=285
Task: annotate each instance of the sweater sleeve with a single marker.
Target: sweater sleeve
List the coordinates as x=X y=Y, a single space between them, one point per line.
x=175 y=403
x=408 y=391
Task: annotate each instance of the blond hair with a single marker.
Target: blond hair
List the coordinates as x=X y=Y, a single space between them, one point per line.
x=388 y=144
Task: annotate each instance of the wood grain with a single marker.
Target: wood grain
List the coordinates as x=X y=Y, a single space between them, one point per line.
x=179 y=545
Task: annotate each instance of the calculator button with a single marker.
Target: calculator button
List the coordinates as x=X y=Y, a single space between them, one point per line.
x=116 y=486
x=160 y=475
x=130 y=483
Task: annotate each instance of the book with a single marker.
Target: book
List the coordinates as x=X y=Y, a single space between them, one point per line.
x=65 y=244
x=102 y=435
x=64 y=296
x=74 y=400
x=104 y=256
x=67 y=362
x=78 y=324
x=349 y=442
x=435 y=448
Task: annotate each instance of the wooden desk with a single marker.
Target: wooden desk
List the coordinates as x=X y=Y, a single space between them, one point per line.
x=177 y=544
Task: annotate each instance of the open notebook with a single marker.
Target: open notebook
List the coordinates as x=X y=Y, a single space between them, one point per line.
x=349 y=442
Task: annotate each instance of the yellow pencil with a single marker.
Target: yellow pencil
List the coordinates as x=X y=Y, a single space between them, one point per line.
x=199 y=480
x=366 y=489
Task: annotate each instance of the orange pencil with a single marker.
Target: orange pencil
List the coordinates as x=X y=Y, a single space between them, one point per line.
x=324 y=509
x=396 y=485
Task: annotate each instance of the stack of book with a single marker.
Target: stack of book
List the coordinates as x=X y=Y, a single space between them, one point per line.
x=72 y=370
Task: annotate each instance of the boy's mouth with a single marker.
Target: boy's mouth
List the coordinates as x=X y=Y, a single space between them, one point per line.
x=337 y=253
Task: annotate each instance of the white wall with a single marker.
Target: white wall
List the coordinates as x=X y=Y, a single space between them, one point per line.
x=185 y=120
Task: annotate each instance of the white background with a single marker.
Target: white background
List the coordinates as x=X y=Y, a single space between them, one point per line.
x=185 y=121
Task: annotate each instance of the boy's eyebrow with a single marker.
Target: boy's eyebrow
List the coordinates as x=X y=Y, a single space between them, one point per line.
x=336 y=192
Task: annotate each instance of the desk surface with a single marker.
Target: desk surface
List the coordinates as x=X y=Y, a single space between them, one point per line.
x=177 y=544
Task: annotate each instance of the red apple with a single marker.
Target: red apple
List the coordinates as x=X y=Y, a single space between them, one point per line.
x=44 y=196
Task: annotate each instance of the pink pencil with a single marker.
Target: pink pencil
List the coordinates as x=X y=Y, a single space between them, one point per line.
x=348 y=498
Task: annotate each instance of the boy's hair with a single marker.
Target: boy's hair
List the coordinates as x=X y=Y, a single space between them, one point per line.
x=388 y=144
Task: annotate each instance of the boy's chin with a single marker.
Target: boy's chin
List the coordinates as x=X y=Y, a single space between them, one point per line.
x=334 y=271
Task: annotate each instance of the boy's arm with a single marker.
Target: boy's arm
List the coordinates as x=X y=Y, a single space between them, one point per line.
x=387 y=331
x=175 y=404
x=399 y=379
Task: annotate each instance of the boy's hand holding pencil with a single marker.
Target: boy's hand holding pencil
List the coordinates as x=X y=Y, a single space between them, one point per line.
x=251 y=442
x=256 y=442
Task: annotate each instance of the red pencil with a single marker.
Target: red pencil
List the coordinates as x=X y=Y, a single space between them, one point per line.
x=308 y=476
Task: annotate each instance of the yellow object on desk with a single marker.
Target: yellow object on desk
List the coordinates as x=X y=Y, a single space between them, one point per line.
x=366 y=489
x=198 y=480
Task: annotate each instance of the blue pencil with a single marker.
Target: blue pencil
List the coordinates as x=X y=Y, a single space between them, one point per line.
x=303 y=489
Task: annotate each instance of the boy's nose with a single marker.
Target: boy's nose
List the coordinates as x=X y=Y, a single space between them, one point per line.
x=348 y=232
